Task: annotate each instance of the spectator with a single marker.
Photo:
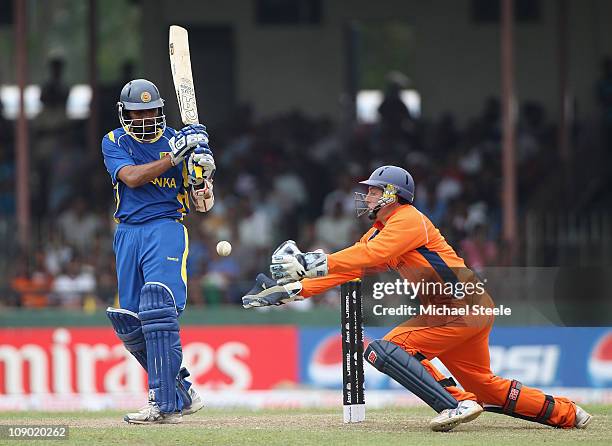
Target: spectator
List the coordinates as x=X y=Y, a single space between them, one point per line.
x=77 y=226
x=75 y=283
x=426 y=202
x=344 y=194
x=31 y=288
x=54 y=93
x=56 y=253
x=49 y=126
x=446 y=135
x=334 y=230
x=273 y=184
x=255 y=228
x=396 y=120
x=478 y=250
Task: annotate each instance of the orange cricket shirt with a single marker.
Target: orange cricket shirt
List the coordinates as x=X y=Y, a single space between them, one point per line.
x=407 y=242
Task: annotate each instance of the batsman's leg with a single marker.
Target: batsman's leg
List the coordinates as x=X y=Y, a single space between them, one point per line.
x=164 y=260
x=128 y=328
x=158 y=315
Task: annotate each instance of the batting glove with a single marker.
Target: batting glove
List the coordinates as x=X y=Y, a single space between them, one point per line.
x=201 y=165
x=185 y=140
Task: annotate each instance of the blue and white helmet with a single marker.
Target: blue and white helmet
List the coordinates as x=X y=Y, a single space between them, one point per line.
x=394 y=181
x=141 y=94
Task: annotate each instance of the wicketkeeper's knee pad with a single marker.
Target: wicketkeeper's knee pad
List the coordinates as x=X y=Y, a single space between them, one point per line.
x=129 y=330
x=392 y=360
x=158 y=315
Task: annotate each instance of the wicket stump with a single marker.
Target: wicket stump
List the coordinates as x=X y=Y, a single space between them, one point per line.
x=352 y=352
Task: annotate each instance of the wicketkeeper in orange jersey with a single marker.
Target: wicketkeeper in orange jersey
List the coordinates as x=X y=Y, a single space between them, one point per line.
x=404 y=239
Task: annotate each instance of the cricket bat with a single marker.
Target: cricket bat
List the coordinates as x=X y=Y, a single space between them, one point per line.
x=180 y=64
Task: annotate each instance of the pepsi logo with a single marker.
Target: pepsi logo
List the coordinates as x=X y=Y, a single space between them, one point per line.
x=600 y=361
x=325 y=366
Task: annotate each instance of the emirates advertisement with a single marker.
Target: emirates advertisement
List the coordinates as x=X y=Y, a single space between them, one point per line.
x=93 y=361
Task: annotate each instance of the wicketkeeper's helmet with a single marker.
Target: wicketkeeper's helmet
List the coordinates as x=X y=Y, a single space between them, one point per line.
x=394 y=181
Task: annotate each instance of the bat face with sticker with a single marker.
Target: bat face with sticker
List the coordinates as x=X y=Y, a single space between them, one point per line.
x=180 y=64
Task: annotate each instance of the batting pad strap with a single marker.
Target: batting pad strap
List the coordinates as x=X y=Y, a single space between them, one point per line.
x=419 y=356
x=543 y=416
x=407 y=370
x=513 y=395
x=547 y=410
x=182 y=386
x=447 y=382
x=159 y=319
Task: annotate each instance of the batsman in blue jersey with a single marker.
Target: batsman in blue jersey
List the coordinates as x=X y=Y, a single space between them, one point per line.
x=152 y=168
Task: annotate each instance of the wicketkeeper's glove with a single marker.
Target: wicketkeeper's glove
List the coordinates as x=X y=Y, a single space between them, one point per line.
x=288 y=268
x=267 y=292
x=290 y=264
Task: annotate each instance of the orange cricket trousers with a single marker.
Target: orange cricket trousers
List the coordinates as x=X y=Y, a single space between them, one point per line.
x=465 y=352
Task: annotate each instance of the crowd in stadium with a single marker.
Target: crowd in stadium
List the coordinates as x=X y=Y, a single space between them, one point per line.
x=287 y=176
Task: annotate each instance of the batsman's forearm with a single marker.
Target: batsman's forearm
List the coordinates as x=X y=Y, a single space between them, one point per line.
x=136 y=176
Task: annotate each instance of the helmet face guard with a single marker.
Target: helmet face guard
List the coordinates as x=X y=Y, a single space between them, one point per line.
x=362 y=207
x=143 y=129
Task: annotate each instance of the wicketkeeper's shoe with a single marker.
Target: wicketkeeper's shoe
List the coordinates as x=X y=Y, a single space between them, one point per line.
x=150 y=414
x=583 y=418
x=196 y=402
x=450 y=418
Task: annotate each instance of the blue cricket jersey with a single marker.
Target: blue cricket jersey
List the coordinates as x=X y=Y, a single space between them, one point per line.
x=164 y=197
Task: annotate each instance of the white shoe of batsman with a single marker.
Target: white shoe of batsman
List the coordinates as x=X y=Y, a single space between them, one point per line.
x=150 y=414
x=450 y=418
x=196 y=402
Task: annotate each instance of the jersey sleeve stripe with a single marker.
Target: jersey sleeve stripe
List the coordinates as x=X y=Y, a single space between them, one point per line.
x=439 y=265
